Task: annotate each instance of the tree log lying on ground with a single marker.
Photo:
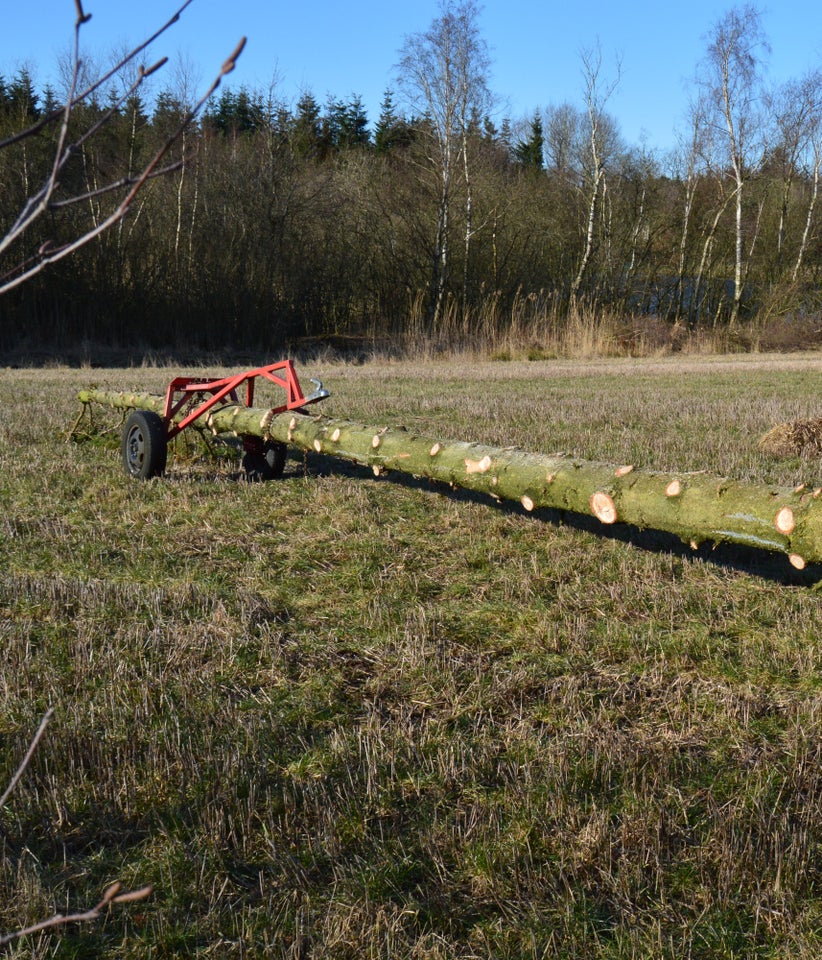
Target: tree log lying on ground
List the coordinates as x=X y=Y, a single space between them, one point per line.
x=695 y=507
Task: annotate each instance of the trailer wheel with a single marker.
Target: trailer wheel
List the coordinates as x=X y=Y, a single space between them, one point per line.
x=144 y=446
x=267 y=464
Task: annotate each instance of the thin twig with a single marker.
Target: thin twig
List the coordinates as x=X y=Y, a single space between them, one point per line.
x=29 y=753
x=111 y=896
x=83 y=95
x=114 y=185
x=43 y=200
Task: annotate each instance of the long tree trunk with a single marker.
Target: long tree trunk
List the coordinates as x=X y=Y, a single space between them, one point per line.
x=683 y=250
x=588 y=248
x=469 y=223
x=809 y=218
x=737 y=298
x=695 y=507
x=706 y=249
x=440 y=265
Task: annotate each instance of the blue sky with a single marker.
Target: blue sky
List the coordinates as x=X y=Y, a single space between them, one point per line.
x=345 y=48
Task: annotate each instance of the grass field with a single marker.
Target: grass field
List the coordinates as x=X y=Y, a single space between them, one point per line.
x=334 y=716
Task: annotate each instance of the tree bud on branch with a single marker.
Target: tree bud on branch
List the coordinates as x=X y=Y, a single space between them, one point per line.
x=147 y=71
x=231 y=62
x=81 y=17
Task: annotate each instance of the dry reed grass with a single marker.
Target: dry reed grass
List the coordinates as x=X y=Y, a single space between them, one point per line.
x=538 y=326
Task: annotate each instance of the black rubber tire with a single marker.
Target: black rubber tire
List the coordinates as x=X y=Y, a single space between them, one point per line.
x=266 y=465
x=144 y=447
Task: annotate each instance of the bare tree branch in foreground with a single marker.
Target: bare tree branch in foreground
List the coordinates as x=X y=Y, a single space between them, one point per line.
x=112 y=894
x=46 y=200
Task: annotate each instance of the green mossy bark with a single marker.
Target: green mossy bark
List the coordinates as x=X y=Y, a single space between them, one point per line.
x=695 y=507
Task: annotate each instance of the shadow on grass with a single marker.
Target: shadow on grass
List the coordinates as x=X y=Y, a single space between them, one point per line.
x=762 y=563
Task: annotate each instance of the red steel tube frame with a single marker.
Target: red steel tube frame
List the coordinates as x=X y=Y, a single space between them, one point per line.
x=182 y=390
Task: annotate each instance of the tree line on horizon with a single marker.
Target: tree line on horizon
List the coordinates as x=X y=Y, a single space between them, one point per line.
x=302 y=221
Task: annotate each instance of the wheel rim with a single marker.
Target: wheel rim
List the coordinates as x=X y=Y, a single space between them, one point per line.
x=135 y=449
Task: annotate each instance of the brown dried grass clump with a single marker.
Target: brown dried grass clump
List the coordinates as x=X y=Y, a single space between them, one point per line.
x=793 y=439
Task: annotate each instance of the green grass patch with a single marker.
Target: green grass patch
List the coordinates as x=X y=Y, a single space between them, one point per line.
x=340 y=716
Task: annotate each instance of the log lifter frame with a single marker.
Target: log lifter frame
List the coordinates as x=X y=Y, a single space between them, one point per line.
x=183 y=391
x=187 y=400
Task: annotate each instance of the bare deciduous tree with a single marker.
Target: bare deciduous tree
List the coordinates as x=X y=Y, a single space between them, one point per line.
x=599 y=133
x=48 y=198
x=690 y=157
x=562 y=136
x=732 y=81
x=796 y=108
x=443 y=75
x=813 y=162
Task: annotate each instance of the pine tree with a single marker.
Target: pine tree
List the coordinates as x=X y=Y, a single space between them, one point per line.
x=346 y=124
x=248 y=112
x=50 y=99
x=237 y=113
x=307 y=136
x=530 y=152
x=505 y=132
x=168 y=112
x=22 y=99
x=391 y=130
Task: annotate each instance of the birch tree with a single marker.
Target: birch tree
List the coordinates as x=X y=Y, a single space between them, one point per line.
x=797 y=112
x=443 y=76
x=690 y=157
x=733 y=83
x=815 y=164
x=597 y=94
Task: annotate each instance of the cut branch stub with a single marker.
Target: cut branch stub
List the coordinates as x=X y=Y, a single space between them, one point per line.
x=602 y=507
x=784 y=521
x=478 y=466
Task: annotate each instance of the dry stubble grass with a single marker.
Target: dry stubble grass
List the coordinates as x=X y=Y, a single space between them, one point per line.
x=339 y=717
